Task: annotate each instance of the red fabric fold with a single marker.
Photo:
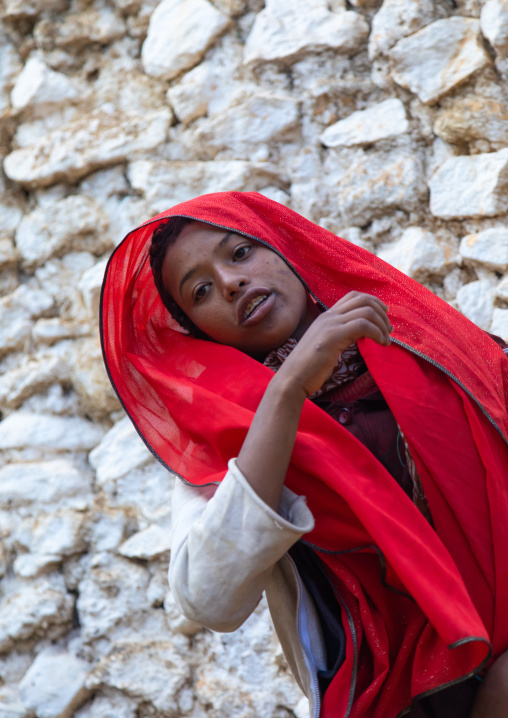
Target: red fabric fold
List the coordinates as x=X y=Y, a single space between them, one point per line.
x=447 y=384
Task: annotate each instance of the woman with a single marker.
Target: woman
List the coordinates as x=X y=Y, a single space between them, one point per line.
x=394 y=600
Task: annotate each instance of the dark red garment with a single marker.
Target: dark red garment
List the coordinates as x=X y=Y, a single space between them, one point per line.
x=446 y=383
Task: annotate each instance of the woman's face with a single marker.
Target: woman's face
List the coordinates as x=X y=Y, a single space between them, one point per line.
x=237 y=291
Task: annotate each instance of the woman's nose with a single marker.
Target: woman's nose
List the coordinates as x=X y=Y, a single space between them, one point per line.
x=231 y=282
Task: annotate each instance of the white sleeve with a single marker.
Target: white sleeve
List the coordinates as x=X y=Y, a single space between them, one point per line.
x=224 y=544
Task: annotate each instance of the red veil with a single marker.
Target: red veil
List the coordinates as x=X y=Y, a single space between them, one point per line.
x=422 y=607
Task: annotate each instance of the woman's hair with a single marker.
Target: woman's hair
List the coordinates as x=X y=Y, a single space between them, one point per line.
x=164 y=237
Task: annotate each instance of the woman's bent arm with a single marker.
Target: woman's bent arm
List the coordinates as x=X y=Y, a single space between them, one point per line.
x=266 y=451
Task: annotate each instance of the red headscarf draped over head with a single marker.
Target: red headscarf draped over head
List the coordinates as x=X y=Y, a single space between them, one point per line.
x=446 y=382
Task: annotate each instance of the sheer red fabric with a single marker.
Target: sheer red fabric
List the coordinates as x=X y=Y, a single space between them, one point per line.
x=446 y=382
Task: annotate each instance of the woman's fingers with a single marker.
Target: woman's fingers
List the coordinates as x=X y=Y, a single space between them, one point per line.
x=357 y=300
x=357 y=323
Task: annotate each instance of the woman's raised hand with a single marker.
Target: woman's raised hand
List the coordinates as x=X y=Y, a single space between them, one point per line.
x=354 y=316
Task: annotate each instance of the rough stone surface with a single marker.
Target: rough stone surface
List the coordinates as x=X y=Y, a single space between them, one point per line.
x=288 y=29
x=56 y=482
x=33 y=609
x=32 y=377
x=191 y=25
x=374 y=184
x=54 y=683
x=243 y=128
x=150 y=672
x=397 y=19
x=494 y=25
x=85 y=145
x=474 y=118
x=76 y=222
x=146 y=544
x=57 y=433
x=436 y=59
x=470 y=186
x=502 y=288
x=37 y=85
x=120 y=451
x=488 y=248
x=476 y=301
x=99 y=130
x=388 y=119
x=420 y=254
x=174 y=182
x=499 y=324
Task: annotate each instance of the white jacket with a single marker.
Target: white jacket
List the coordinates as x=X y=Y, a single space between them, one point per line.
x=228 y=547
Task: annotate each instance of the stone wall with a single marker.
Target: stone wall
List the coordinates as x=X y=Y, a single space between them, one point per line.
x=385 y=122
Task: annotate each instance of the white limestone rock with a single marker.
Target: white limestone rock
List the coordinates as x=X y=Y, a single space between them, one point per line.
x=75 y=30
x=147 y=490
x=499 y=325
x=420 y=254
x=37 y=86
x=33 y=376
x=494 y=25
x=76 y=222
x=59 y=534
x=488 y=248
x=60 y=278
x=11 y=215
x=90 y=380
x=244 y=129
x=476 y=301
x=436 y=59
x=167 y=183
x=90 y=287
x=10 y=65
x=120 y=451
x=43 y=483
x=114 y=705
x=232 y=686
x=150 y=672
x=49 y=331
x=377 y=183
x=91 y=142
x=397 y=19
x=386 y=119
x=28 y=565
x=54 y=685
x=147 y=544
x=289 y=29
x=175 y=619
x=179 y=34
x=16 y=313
x=207 y=89
x=29 y=298
x=232 y=7
x=10 y=703
x=473 y=118
x=41 y=607
x=107 y=530
x=29 y=9
x=502 y=288
x=53 y=433
x=470 y=186
x=8 y=254
x=112 y=576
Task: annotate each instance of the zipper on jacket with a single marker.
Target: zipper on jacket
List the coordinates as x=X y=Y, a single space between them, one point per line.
x=306 y=651
x=354 y=673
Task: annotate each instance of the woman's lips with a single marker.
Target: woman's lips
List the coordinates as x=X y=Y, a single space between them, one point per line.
x=260 y=311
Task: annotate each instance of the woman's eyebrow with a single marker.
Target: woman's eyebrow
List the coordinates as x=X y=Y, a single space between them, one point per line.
x=191 y=271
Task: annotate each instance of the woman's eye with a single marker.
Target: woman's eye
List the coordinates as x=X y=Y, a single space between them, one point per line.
x=200 y=292
x=241 y=252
